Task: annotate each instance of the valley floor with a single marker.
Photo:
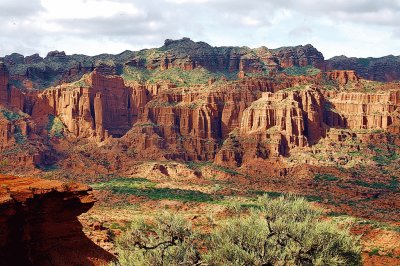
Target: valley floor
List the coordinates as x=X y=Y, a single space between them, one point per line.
x=207 y=194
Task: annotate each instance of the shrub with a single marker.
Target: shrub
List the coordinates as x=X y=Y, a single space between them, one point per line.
x=325 y=177
x=55 y=127
x=301 y=71
x=168 y=240
x=281 y=231
x=18 y=136
x=10 y=116
x=146 y=188
x=286 y=231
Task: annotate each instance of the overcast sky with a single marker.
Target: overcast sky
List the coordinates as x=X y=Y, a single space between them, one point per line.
x=351 y=27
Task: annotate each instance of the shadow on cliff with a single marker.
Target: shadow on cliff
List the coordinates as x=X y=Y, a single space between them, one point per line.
x=44 y=230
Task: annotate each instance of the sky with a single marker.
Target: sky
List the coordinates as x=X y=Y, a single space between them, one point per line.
x=359 y=28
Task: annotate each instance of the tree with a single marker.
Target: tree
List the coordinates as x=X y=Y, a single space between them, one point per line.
x=167 y=240
x=283 y=231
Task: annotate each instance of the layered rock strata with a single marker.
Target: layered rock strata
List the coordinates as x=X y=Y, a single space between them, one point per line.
x=39 y=225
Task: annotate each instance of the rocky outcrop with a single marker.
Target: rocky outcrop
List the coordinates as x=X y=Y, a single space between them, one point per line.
x=307 y=55
x=98 y=107
x=35 y=72
x=246 y=114
x=39 y=225
x=19 y=145
x=188 y=55
x=275 y=124
x=3 y=83
x=381 y=69
x=365 y=111
x=190 y=123
x=343 y=77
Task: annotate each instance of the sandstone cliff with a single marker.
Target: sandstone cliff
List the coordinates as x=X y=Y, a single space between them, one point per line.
x=258 y=112
x=39 y=225
x=35 y=72
x=382 y=69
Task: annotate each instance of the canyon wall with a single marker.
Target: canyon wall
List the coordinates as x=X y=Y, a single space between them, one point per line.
x=385 y=69
x=39 y=225
x=190 y=123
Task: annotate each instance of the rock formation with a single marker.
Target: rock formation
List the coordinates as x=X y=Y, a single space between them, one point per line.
x=3 y=83
x=381 y=69
x=274 y=124
x=39 y=225
x=99 y=107
x=357 y=111
x=243 y=107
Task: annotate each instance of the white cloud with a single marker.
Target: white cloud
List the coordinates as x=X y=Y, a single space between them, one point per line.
x=97 y=26
x=78 y=9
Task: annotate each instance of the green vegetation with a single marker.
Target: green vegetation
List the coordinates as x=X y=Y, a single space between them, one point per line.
x=384 y=156
x=264 y=73
x=55 y=127
x=363 y=61
x=199 y=165
x=325 y=177
x=175 y=75
x=18 y=136
x=301 y=71
x=392 y=186
x=144 y=188
x=226 y=170
x=81 y=82
x=10 y=116
x=282 y=231
x=374 y=251
x=145 y=125
x=167 y=240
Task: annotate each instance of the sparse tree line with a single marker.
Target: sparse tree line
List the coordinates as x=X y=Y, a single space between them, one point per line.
x=282 y=231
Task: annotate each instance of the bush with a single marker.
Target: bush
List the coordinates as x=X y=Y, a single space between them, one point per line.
x=281 y=231
x=10 y=116
x=55 y=127
x=168 y=240
x=301 y=71
x=18 y=136
x=285 y=231
x=325 y=177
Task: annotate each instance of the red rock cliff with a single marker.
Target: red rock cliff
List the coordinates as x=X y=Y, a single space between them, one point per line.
x=39 y=225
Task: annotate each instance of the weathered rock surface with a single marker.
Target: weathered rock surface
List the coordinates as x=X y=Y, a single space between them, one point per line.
x=274 y=124
x=188 y=55
x=100 y=107
x=258 y=115
x=382 y=69
x=343 y=77
x=356 y=111
x=3 y=83
x=189 y=123
x=39 y=225
x=34 y=72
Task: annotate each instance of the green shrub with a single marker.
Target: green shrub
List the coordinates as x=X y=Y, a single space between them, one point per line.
x=168 y=240
x=18 y=136
x=286 y=231
x=281 y=231
x=10 y=116
x=175 y=75
x=145 y=188
x=55 y=127
x=326 y=177
x=301 y=71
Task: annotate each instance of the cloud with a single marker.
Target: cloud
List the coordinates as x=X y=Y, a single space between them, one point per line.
x=300 y=31
x=19 y=8
x=93 y=26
